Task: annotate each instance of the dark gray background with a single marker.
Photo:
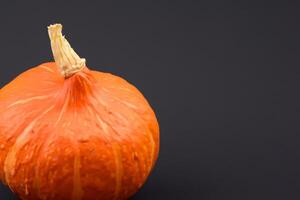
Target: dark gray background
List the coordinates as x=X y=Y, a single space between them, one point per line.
x=222 y=76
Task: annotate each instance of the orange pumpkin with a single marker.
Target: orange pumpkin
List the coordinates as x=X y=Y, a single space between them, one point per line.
x=68 y=132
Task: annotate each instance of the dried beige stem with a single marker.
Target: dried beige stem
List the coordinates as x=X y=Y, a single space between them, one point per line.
x=65 y=57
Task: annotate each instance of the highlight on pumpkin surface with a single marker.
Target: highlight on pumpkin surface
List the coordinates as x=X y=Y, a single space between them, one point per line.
x=68 y=132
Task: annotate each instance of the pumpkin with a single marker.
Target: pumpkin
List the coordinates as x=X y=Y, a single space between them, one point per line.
x=68 y=132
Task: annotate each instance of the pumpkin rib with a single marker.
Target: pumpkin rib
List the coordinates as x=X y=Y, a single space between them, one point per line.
x=137 y=117
x=45 y=144
x=77 y=189
x=24 y=101
x=43 y=150
x=116 y=152
x=63 y=109
x=119 y=170
x=144 y=123
x=141 y=156
x=10 y=138
x=33 y=189
x=10 y=159
x=115 y=131
x=36 y=180
x=105 y=126
x=125 y=102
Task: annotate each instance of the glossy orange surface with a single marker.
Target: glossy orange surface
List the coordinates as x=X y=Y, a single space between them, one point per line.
x=92 y=136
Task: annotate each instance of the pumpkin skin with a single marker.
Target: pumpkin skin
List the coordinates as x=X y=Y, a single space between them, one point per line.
x=92 y=136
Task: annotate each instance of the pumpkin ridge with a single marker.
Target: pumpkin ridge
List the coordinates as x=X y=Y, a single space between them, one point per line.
x=77 y=189
x=24 y=101
x=63 y=109
x=143 y=121
x=134 y=147
x=116 y=152
x=119 y=170
x=36 y=180
x=11 y=155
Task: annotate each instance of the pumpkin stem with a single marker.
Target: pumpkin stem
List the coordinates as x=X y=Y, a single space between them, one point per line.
x=65 y=57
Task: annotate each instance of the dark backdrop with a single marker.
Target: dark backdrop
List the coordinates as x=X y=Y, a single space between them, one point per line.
x=223 y=78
